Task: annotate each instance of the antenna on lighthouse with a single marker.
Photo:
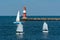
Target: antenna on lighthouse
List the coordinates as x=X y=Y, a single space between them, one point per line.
x=24 y=13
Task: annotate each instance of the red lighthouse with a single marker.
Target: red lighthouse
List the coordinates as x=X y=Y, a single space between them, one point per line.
x=24 y=13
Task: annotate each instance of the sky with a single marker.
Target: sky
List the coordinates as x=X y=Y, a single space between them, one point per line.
x=34 y=7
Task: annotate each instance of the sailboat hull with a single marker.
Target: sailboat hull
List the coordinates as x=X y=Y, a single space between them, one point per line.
x=19 y=32
x=45 y=31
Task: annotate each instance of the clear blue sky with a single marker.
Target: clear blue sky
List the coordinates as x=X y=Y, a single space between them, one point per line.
x=34 y=7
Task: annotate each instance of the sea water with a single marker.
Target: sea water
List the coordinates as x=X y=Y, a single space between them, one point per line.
x=32 y=29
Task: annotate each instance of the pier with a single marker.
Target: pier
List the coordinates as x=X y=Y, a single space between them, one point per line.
x=41 y=19
x=25 y=18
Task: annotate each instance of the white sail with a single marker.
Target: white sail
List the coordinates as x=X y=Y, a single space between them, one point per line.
x=18 y=17
x=45 y=27
x=20 y=28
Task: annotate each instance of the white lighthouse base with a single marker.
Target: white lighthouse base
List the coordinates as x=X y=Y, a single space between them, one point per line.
x=24 y=18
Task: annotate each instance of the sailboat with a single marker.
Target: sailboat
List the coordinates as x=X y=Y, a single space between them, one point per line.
x=19 y=29
x=19 y=24
x=17 y=18
x=45 y=27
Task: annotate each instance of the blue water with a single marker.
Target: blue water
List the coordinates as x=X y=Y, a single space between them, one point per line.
x=32 y=29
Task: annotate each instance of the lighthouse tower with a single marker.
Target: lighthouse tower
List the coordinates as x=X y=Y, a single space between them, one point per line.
x=24 y=13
